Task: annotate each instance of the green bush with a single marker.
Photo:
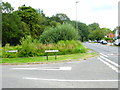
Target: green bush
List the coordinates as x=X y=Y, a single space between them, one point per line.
x=31 y=48
x=58 y=33
x=7 y=47
x=28 y=47
x=107 y=39
x=70 y=47
x=64 y=47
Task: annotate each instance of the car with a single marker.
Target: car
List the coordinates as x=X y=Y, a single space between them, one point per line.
x=99 y=41
x=89 y=41
x=117 y=42
x=103 y=42
x=95 y=41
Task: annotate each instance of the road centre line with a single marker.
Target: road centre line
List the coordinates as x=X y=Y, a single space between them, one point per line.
x=25 y=68
x=103 y=55
x=52 y=68
x=110 y=61
x=63 y=80
x=110 y=54
x=111 y=66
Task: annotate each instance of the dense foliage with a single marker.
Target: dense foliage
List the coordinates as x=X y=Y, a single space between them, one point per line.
x=30 y=32
x=60 y=32
x=13 y=29
x=32 y=18
x=29 y=21
x=99 y=33
x=30 y=48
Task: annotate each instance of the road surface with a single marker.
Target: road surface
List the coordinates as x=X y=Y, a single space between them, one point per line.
x=95 y=72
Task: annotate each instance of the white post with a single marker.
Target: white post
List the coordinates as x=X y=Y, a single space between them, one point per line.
x=76 y=15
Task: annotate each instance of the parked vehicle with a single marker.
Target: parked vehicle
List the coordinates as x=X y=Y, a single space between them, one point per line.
x=99 y=41
x=89 y=41
x=95 y=41
x=117 y=42
x=103 y=42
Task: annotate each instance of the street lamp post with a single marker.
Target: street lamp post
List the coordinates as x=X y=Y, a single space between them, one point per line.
x=76 y=15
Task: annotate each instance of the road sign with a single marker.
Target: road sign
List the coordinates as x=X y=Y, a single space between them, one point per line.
x=48 y=51
x=12 y=51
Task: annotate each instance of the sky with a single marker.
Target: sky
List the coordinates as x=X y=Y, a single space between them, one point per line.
x=104 y=12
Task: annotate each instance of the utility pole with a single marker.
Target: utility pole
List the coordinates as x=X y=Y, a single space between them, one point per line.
x=76 y=15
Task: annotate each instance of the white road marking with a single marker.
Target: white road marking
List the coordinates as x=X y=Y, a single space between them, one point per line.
x=110 y=54
x=65 y=68
x=52 y=68
x=25 y=68
x=110 y=61
x=103 y=55
x=63 y=80
x=27 y=65
x=111 y=66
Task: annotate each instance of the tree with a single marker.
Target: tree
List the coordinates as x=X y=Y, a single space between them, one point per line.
x=40 y=12
x=13 y=29
x=94 y=26
x=54 y=23
x=106 y=31
x=6 y=7
x=63 y=17
x=57 y=19
x=97 y=34
x=60 y=32
x=33 y=19
x=83 y=30
x=12 y=26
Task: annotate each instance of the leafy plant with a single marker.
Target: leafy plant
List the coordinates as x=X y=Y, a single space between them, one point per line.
x=7 y=47
x=58 y=33
x=28 y=47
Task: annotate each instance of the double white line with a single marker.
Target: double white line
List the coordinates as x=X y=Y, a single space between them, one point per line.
x=108 y=62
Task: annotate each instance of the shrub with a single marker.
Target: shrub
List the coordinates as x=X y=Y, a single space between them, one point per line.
x=64 y=47
x=10 y=54
x=28 y=47
x=70 y=47
x=58 y=33
x=107 y=39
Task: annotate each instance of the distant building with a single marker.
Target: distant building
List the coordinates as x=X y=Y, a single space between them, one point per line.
x=111 y=35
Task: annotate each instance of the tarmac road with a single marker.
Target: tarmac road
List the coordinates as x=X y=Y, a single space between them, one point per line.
x=95 y=72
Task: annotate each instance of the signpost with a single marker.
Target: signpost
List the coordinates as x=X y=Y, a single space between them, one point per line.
x=12 y=51
x=48 y=51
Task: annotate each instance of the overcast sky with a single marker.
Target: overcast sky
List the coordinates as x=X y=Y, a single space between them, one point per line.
x=104 y=12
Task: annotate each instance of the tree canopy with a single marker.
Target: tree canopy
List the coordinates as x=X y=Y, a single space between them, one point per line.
x=26 y=20
x=32 y=18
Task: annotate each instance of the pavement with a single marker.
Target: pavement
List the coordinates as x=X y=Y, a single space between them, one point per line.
x=95 y=72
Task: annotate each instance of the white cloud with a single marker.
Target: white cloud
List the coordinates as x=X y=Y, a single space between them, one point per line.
x=103 y=12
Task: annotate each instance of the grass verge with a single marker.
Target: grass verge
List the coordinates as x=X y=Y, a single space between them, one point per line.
x=50 y=58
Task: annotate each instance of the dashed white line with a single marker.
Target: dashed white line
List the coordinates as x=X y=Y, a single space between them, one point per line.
x=65 y=68
x=52 y=68
x=63 y=80
x=25 y=68
x=110 y=54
